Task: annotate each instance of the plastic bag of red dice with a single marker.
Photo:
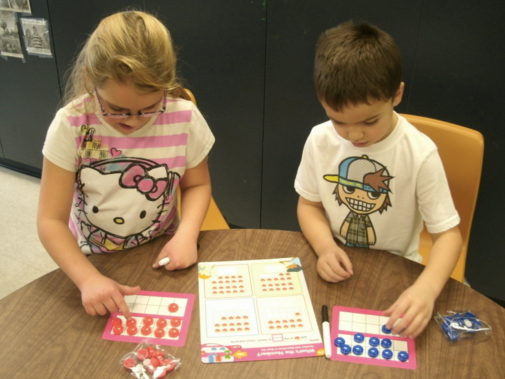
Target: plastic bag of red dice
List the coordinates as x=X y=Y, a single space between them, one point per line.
x=463 y=325
x=150 y=361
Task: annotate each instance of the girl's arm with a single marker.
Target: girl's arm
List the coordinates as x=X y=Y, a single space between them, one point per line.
x=99 y=294
x=195 y=199
x=333 y=263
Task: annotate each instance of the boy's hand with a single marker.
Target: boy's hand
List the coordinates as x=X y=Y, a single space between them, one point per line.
x=181 y=251
x=100 y=295
x=334 y=265
x=410 y=314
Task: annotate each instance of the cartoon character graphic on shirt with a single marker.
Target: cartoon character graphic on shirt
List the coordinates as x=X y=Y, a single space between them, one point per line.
x=121 y=200
x=363 y=186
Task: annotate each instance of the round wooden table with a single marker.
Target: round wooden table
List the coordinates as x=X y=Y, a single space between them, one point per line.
x=45 y=332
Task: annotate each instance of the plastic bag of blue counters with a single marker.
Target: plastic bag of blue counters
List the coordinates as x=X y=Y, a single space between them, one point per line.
x=458 y=326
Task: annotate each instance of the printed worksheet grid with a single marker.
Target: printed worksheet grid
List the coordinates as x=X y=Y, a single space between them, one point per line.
x=228 y=282
x=283 y=315
x=231 y=317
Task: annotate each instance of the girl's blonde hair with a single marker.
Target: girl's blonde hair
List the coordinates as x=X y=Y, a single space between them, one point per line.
x=129 y=47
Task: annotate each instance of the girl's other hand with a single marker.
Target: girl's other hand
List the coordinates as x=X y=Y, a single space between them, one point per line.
x=182 y=252
x=334 y=265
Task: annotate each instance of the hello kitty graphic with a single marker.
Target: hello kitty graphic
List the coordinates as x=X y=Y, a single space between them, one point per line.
x=124 y=202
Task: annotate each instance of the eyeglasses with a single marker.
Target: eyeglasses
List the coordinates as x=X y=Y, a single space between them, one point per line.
x=139 y=113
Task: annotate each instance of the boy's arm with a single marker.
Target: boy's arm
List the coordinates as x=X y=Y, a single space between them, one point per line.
x=333 y=264
x=99 y=294
x=195 y=198
x=415 y=304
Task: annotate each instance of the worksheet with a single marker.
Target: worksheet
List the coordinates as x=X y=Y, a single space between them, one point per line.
x=256 y=310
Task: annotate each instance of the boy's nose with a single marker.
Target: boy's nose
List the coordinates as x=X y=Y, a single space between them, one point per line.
x=355 y=135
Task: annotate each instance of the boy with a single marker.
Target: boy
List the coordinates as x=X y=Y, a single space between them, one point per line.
x=368 y=177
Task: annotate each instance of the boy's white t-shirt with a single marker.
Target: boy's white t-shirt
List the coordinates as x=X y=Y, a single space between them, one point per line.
x=417 y=187
x=125 y=189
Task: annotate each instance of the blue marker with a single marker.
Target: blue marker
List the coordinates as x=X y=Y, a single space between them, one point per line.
x=387 y=354
x=374 y=341
x=346 y=349
x=386 y=343
x=359 y=338
x=385 y=329
x=357 y=350
x=339 y=342
x=403 y=356
x=373 y=352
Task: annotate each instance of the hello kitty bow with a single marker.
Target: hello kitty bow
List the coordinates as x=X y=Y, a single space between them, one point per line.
x=135 y=176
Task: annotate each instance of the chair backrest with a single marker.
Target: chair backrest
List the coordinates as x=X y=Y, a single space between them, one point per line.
x=461 y=150
x=214 y=219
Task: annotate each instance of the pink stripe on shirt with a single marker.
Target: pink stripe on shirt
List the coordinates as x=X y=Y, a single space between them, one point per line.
x=174 y=117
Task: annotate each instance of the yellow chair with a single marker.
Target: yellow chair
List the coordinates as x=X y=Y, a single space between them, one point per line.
x=214 y=219
x=461 y=150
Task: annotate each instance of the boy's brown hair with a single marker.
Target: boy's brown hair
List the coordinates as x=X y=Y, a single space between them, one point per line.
x=356 y=63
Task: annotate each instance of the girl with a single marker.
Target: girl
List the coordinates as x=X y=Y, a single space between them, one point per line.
x=114 y=155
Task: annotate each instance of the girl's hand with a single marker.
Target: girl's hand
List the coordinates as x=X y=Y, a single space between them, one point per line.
x=101 y=295
x=334 y=265
x=410 y=314
x=182 y=252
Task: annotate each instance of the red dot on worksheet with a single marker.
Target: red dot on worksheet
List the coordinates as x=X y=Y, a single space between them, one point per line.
x=173 y=307
x=117 y=321
x=159 y=333
x=132 y=330
x=173 y=332
x=117 y=330
x=147 y=321
x=131 y=322
x=146 y=330
x=161 y=323
x=175 y=322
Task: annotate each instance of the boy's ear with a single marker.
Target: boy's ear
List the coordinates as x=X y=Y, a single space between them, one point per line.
x=399 y=95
